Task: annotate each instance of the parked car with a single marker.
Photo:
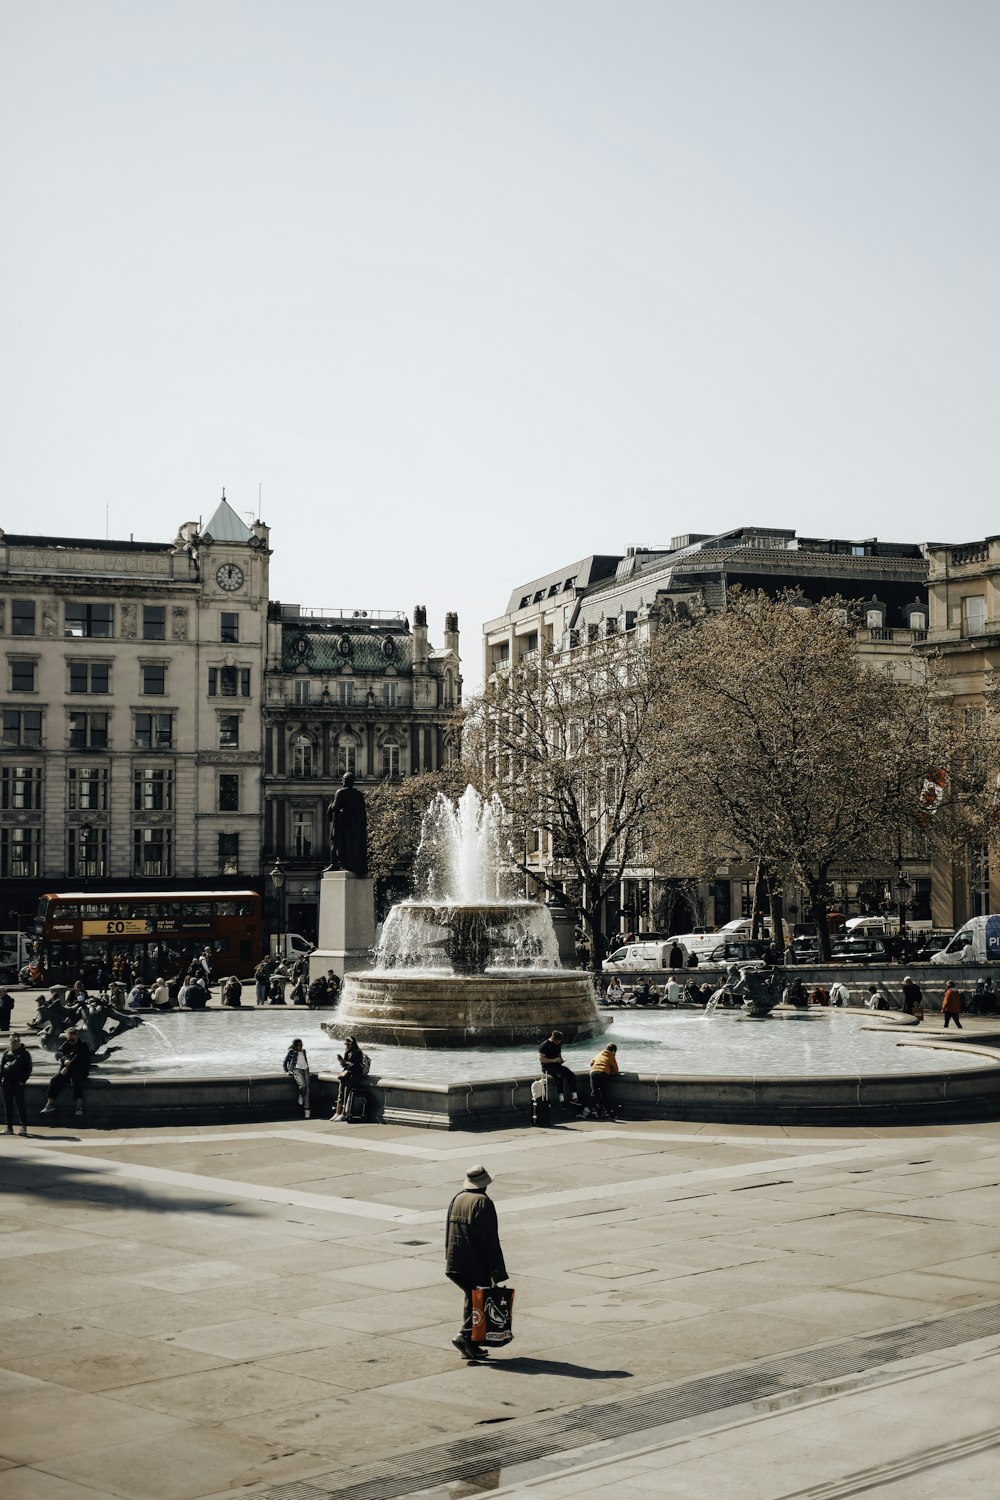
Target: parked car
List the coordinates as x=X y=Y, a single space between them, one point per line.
x=930 y=943
x=804 y=950
x=860 y=951
x=747 y=952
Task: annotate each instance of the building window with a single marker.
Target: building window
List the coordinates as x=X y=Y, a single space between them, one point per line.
x=154 y=679
x=88 y=731
x=96 y=620
x=229 y=631
x=87 y=851
x=21 y=788
x=229 y=732
x=152 y=789
x=20 y=853
x=22 y=726
x=22 y=675
x=89 y=677
x=300 y=691
x=302 y=834
x=390 y=759
x=152 y=853
x=154 y=731
x=229 y=682
x=22 y=617
x=229 y=794
x=88 y=789
x=302 y=756
x=347 y=755
x=390 y=694
x=229 y=853
x=154 y=622
x=347 y=694
x=973 y=614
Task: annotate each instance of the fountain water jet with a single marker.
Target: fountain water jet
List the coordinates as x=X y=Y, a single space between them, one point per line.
x=467 y=963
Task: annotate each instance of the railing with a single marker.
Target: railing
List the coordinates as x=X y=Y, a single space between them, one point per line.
x=975 y=552
x=303 y=611
x=881 y=633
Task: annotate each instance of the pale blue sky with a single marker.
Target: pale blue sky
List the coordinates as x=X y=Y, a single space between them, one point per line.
x=473 y=289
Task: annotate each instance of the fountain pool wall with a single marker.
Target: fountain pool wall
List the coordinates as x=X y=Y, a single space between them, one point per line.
x=879 y=1074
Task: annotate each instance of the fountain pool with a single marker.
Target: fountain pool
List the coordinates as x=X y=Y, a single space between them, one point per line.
x=684 y=1044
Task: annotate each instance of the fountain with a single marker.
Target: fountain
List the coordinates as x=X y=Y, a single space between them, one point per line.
x=467 y=963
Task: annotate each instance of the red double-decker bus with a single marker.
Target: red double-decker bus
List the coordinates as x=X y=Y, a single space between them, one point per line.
x=158 y=932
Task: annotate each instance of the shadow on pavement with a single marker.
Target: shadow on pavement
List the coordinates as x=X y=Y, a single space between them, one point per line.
x=524 y=1364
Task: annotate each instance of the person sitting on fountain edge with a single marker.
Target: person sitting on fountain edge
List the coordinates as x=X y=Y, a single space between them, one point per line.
x=550 y=1057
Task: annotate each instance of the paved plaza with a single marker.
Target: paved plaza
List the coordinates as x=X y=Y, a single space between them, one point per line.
x=701 y=1311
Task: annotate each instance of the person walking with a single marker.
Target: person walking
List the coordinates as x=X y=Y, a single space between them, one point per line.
x=951 y=1005
x=260 y=976
x=603 y=1068
x=676 y=958
x=15 y=1070
x=913 y=1000
x=74 y=1059
x=296 y=1065
x=6 y=1008
x=550 y=1058
x=473 y=1256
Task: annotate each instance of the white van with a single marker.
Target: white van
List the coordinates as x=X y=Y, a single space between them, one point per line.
x=978 y=942
x=643 y=956
x=290 y=945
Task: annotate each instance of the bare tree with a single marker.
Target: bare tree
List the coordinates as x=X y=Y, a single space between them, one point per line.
x=564 y=739
x=789 y=746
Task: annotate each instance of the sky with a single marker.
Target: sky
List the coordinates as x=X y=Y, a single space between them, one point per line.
x=464 y=291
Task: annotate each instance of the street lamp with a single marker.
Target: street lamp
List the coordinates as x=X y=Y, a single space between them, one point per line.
x=278 y=882
x=901 y=890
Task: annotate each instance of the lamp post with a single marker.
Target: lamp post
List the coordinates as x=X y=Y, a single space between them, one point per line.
x=278 y=882
x=902 y=889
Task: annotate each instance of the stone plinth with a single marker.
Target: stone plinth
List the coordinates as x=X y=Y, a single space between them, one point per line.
x=346 y=924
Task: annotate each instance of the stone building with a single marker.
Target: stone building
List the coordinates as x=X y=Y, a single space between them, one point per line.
x=346 y=690
x=963 y=585
x=884 y=583
x=130 y=748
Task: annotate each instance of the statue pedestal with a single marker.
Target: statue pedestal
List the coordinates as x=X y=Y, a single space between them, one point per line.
x=346 y=924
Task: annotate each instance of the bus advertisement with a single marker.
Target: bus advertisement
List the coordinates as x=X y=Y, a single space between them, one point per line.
x=157 y=932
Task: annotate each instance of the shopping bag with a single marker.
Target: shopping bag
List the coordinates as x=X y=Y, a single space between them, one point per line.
x=492 y=1307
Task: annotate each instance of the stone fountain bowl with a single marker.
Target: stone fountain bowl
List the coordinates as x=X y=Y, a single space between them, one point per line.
x=458 y=1010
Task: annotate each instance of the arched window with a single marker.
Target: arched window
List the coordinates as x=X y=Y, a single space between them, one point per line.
x=390 y=759
x=347 y=755
x=303 y=756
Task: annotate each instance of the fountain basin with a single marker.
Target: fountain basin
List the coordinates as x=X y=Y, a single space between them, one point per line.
x=404 y=1009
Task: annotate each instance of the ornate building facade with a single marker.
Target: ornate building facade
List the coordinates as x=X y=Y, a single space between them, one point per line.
x=130 y=747
x=345 y=690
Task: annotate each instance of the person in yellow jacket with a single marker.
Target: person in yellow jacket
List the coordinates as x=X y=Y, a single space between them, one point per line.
x=602 y=1069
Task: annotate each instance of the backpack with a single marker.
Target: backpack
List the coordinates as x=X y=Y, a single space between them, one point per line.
x=366 y=1063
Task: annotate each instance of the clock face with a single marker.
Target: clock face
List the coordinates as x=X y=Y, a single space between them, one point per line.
x=229 y=577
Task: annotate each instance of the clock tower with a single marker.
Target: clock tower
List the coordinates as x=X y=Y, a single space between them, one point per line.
x=233 y=557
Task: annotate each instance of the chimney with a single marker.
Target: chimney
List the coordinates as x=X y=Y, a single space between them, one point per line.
x=451 y=632
x=420 y=638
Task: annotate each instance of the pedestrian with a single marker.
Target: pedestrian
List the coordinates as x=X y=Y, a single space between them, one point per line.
x=352 y=1063
x=232 y=993
x=296 y=1065
x=615 y=994
x=15 y=1070
x=673 y=992
x=205 y=964
x=160 y=994
x=676 y=959
x=550 y=1058
x=951 y=1005
x=299 y=991
x=473 y=1256
x=839 y=993
x=603 y=1067
x=261 y=975
x=6 y=1008
x=913 y=1000
x=74 y=1060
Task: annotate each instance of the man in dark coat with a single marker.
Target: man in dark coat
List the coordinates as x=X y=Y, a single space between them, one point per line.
x=473 y=1256
x=15 y=1070
x=74 y=1059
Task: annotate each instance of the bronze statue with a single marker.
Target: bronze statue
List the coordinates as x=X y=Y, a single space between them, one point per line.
x=348 y=829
